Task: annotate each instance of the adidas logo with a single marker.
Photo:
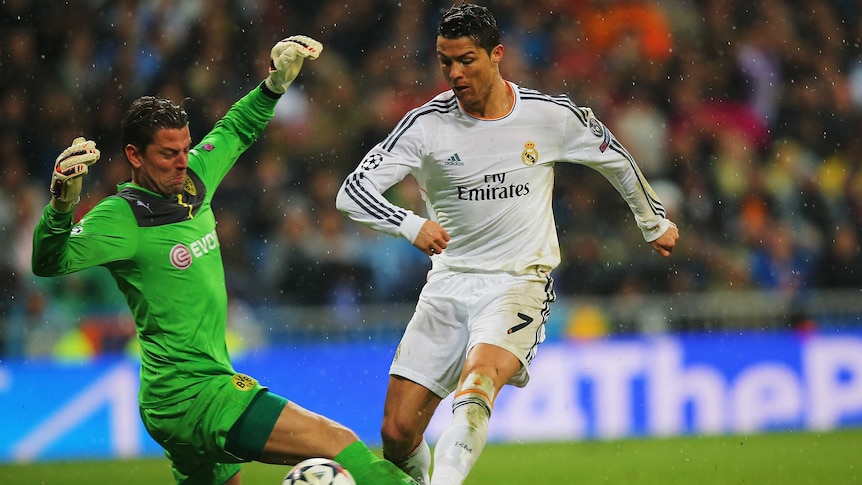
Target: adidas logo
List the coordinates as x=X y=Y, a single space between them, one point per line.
x=454 y=160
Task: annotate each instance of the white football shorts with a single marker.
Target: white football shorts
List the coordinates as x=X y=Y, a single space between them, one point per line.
x=458 y=310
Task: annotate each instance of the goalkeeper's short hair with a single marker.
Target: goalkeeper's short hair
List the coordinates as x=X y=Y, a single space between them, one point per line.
x=146 y=116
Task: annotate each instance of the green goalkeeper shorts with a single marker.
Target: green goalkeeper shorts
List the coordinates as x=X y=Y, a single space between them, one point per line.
x=194 y=433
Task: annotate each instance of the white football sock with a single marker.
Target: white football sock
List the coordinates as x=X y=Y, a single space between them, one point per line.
x=418 y=463
x=459 y=447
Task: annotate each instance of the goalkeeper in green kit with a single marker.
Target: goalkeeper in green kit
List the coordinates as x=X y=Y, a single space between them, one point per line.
x=157 y=237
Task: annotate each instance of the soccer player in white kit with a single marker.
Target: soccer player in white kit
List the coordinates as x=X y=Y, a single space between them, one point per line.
x=483 y=155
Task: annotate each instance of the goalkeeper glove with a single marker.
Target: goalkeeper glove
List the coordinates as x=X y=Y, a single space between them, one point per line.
x=286 y=60
x=72 y=164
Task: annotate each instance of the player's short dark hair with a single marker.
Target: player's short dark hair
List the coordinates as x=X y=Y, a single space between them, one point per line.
x=146 y=116
x=473 y=21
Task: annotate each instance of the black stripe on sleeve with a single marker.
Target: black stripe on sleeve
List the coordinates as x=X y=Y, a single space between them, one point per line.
x=435 y=106
x=369 y=203
x=561 y=100
x=656 y=205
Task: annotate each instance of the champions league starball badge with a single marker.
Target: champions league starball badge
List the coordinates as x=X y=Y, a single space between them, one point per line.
x=372 y=161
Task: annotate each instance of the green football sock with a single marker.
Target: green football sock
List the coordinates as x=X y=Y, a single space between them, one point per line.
x=355 y=454
x=368 y=469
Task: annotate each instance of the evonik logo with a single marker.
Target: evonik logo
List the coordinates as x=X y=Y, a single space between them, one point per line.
x=182 y=255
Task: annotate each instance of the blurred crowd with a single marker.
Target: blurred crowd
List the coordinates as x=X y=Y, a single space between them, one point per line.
x=745 y=116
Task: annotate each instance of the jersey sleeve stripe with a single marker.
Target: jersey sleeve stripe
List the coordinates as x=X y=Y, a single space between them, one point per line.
x=371 y=205
x=655 y=204
x=435 y=106
x=561 y=100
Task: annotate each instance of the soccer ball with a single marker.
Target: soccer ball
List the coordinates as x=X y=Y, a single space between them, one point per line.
x=318 y=471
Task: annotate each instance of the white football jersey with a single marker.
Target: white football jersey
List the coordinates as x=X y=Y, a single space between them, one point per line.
x=488 y=182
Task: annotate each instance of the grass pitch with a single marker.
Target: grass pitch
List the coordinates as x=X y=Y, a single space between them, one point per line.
x=775 y=458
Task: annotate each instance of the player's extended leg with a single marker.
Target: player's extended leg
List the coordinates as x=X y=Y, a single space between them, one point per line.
x=297 y=433
x=486 y=370
x=406 y=413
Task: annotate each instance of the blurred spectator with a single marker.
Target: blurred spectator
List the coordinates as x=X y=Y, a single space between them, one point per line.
x=841 y=264
x=779 y=263
x=291 y=273
x=624 y=30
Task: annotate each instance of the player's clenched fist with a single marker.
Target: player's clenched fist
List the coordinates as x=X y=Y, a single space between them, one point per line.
x=432 y=238
x=285 y=60
x=665 y=244
x=72 y=164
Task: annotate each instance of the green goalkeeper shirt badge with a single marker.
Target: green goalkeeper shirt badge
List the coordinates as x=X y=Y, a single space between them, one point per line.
x=244 y=382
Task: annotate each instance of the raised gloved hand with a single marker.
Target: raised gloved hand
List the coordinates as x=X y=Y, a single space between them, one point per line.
x=72 y=164
x=286 y=60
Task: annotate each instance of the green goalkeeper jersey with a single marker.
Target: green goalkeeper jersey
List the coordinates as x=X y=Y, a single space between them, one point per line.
x=164 y=255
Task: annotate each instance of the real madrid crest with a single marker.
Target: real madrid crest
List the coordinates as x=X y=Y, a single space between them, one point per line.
x=530 y=156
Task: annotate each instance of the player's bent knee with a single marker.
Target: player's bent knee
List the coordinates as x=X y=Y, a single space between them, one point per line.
x=399 y=440
x=397 y=433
